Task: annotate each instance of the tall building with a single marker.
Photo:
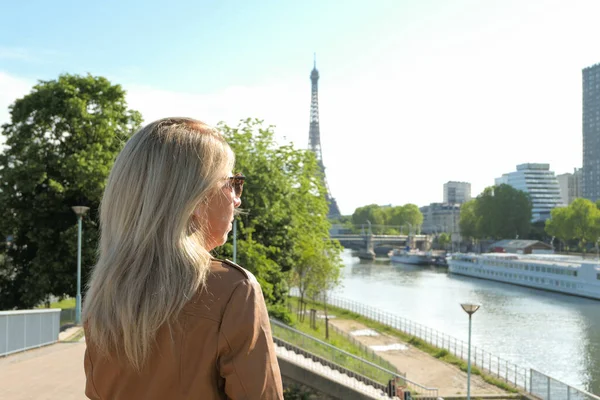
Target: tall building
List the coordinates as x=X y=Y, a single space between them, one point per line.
x=314 y=138
x=570 y=186
x=457 y=192
x=591 y=132
x=541 y=184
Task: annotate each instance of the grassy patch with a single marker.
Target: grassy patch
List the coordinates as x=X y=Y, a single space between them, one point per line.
x=415 y=342
x=338 y=340
x=64 y=303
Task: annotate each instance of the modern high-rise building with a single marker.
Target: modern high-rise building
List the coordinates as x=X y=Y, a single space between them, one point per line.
x=541 y=184
x=591 y=132
x=457 y=192
x=570 y=186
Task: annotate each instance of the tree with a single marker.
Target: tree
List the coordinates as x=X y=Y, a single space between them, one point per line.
x=579 y=221
x=411 y=214
x=388 y=220
x=283 y=231
x=371 y=213
x=584 y=221
x=444 y=240
x=61 y=143
x=469 y=220
x=559 y=224
x=503 y=212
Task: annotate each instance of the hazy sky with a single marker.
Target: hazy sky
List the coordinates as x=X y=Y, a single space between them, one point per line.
x=412 y=93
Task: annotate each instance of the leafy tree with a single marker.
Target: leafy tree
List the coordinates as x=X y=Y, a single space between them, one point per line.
x=283 y=232
x=469 y=220
x=559 y=224
x=504 y=212
x=411 y=214
x=372 y=213
x=579 y=221
x=444 y=240
x=61 y=143
x=388 y=220
x=584 y=221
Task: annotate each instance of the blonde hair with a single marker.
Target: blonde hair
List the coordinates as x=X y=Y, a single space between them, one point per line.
x=152 y=257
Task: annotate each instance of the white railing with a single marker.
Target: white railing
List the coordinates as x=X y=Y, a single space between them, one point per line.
x=546 y=388
x=27 y=329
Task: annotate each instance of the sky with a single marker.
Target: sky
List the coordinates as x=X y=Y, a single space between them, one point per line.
x=412 y=94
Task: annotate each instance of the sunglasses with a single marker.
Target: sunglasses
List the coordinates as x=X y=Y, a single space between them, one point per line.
x=237 y=183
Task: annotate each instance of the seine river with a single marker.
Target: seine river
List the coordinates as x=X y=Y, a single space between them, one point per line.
x=556 y=334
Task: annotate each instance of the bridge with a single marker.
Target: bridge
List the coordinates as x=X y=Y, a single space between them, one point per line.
x=381 y=244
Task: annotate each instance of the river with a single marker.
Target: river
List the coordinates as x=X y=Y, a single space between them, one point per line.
x=556 y=334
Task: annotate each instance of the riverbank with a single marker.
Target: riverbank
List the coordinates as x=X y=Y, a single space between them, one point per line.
x=420 y=362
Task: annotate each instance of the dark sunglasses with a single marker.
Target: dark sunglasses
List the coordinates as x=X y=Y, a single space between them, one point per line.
x=237 y=183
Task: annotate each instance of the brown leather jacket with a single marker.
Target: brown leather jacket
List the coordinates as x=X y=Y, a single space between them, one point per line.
x=223 y=349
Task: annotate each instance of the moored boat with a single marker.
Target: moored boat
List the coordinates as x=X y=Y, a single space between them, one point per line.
x=557 y=273
x=410 y=256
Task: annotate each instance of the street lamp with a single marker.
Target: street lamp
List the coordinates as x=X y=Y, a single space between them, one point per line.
x=235 y=240
x=79 y=211
x=469 y=309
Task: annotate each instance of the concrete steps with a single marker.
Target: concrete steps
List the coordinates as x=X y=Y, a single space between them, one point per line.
x=330 y=374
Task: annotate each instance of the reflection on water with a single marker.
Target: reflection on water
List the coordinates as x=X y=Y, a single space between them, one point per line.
x=553 y=333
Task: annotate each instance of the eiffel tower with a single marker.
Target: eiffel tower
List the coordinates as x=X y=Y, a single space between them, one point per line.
x=314 y=138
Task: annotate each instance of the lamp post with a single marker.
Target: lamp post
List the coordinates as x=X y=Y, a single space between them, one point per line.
x=79 y=211
x=235 y=240
x=469 y=309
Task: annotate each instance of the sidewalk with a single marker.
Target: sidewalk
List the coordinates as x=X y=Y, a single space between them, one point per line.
x=53 y=372
x=419 y=366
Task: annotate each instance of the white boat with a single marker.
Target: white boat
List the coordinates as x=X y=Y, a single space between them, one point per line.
x=411 y=256
x=557 y=273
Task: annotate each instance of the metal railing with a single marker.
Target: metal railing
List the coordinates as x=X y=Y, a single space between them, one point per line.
x=362 y=370
x=363 y=351
x=27 y=329
x=67 y=316
x=512 y=374
x=546 y=388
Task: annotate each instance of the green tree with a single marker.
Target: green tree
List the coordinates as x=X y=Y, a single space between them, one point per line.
x=503 y=212
x=283 y=232
x=411 y=214
x=469 y=220
x=444 y=240
x=372 y=213
x=388 y=220
x=61 y=142
x=559 y=224
x=584 y=221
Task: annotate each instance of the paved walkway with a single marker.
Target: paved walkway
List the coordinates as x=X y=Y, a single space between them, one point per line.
x=419 y=366
x=53 y=372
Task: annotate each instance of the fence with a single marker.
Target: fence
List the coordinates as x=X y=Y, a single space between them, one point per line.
x=26 y=329
x=361 y=350
x=546 y=388
x=67 y=316
x=340 y=360
x=510 y=373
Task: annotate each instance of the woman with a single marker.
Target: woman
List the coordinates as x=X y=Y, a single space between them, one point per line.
x=162 y=318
